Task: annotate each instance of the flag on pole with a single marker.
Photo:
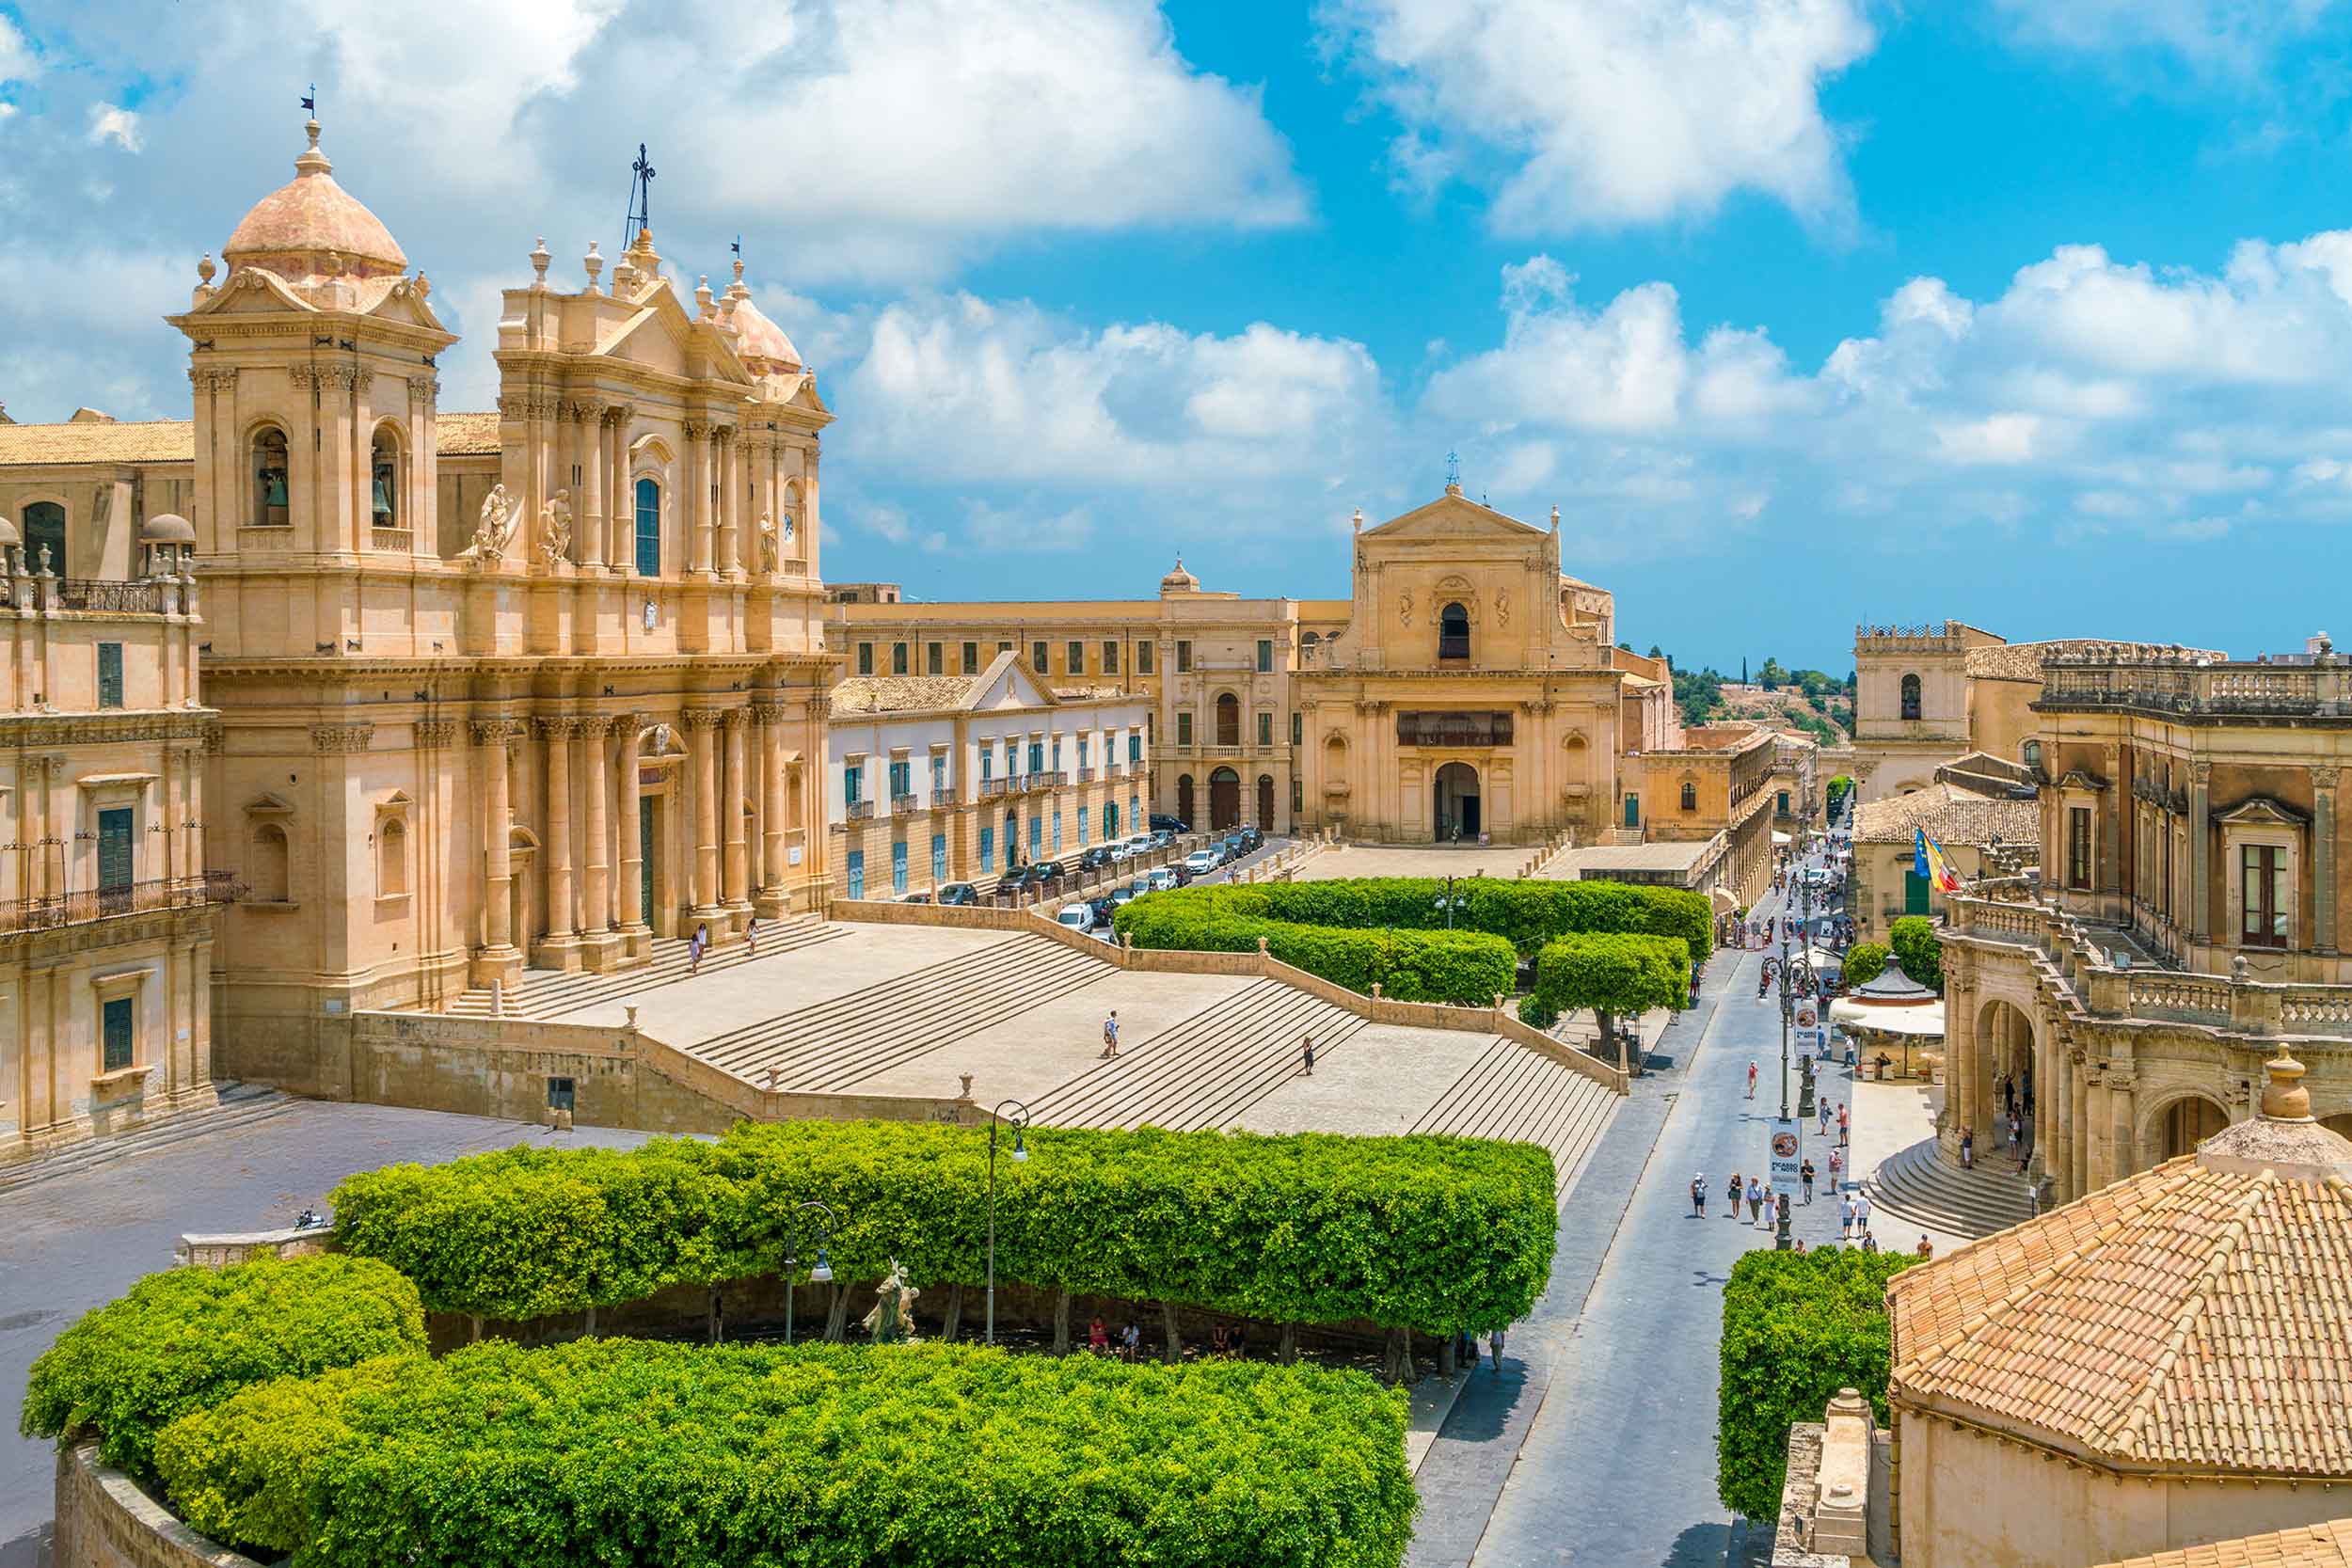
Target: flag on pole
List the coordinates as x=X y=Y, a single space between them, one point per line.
x=1928 y=861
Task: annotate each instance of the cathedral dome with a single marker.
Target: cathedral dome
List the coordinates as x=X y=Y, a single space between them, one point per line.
x=759 y=342
x=294 y=229
x=1179 y=581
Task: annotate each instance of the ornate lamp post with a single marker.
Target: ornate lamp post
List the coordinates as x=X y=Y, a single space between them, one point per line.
x=822 y=1272
x=1450 y=901
x=1018 y=1122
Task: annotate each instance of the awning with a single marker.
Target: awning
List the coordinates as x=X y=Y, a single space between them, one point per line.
x=1779 y=839
x=1724 y=900
x=1860 y=1017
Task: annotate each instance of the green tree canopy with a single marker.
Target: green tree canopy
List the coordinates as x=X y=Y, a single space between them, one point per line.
x=1613 y=972
x=1918 y=947
x=1865 y=962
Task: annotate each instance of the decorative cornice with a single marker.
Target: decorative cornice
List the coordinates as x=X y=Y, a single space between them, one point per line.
x=342 y=738
x=62 y=729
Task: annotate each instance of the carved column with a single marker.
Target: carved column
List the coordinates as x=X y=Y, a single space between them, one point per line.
x=771 y=797
x=731 y=811
x=730 y=501
x=628 y=890
x=621 y=552
x=2323 y=860
x=492 y=735
x=592 y=466
x=2123 y=1151
x=2200 y=851
x=702 y=440
x=702 y=739
x=555 y=854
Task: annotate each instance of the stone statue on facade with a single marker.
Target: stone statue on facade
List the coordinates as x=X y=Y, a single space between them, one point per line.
x=555 y=528
x=892 y=1321
x=1405 y=608
x=771 y=555
x=1503 y=607
x=495 y=532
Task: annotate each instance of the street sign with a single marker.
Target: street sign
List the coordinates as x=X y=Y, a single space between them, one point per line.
x=1787 y=1154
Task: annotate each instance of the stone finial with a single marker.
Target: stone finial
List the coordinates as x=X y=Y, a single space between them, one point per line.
x=965 y=1092
x=703 y=296
x=1555 y=519
x=539 y=259
x=2237 y=969
x=205 y=269
x=594 y=264
x=1262 y=948
x=1359 y=521
x=632 y=1018
x=2284 y=1098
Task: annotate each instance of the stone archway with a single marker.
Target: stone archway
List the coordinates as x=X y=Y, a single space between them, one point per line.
x=1265 y=802
x=1185 y=800
x=1454 y=802
x=2004 y=1064
x=1224 y=800
x=2179 y=1125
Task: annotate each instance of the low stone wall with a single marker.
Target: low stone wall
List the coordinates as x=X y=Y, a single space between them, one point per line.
x=220 y=1252
x=104 y=1521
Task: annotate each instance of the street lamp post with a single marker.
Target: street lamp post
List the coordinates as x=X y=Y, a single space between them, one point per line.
x=1449 y=902
x=1019 y=1120
x=822 y=1272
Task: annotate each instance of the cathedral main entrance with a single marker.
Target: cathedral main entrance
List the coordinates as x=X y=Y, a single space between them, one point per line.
x=1454 y=810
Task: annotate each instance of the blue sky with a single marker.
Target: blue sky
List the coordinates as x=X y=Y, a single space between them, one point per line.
x=2033 y=312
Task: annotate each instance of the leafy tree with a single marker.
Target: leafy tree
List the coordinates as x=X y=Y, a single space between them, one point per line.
x=1699 y=693
x=1919 y=948
x=1865 y=962
x=1834 y=793
x=1613 y=972
x=1773 y=676
x=1797 y=1327
x=1655 y=652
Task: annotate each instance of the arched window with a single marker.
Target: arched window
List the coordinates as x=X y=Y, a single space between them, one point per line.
x=2031 y=752
x=269 y=477
x=1228 y=719
x=1183 y=800
x=1690 y=796
x=391 y=859
x=1454 y=632
x=267 y=874
x=44 y=538
x=648 y=529
x=1911 y=696
x=384 y=480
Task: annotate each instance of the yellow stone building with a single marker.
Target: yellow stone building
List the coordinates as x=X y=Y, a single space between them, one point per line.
x=536 y=687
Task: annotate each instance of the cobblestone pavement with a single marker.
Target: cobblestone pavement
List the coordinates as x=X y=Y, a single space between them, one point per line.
x=71 y=1242
x=1595 y=1444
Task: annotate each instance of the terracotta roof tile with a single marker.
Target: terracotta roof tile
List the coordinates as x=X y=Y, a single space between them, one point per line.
x=1949 y=814
x=901 y=693
x=2323 y=1546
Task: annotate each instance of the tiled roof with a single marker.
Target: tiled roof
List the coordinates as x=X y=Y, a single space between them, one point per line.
x=901 y=693
x=30 y=446
x=2193 y=1316
x=1086 y=694
x=1949 y=814
x=2327 y=1545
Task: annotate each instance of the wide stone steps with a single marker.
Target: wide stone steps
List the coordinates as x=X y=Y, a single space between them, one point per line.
x=1515 y=1093
x=1919 y=1185
x=1204 y=1070
x=241 y=1105
x=832 y=1044
x=551 y=993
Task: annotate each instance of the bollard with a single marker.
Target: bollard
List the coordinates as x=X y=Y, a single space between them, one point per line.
x=498 y=998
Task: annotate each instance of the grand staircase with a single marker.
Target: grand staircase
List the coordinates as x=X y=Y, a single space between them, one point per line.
x=1918 y=1185
x=241 y=1105
x=1516 y=1093
x=832 y=1044
x=552 y=993
x=1206 y=1070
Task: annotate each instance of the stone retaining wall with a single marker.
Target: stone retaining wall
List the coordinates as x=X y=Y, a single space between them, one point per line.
x=104 y=1521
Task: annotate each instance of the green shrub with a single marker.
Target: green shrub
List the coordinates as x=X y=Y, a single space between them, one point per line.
x=187 y=1338
x=1613 y=974
x=1466 y=968
x=1434 y=1233
x=611 y=1450
x=1536 y=1013
x=1915 y=943
x=1865 y=962
x=1797 y=1327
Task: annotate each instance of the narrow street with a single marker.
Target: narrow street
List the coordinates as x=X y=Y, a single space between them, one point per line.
x=1595 y=1444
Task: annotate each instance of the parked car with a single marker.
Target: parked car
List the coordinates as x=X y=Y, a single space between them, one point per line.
x=1252 y=839
x=1201 y=862
x=959 y=893
x=1123 y=896
x=1044 y=872
x=1019 y=882
x=1161 y=822
x=918 y=898
x=1141 y=843
x=1078 y=917
x=1159 y=879
x=1121 y=852
x=1094 y=858
x=1102 y=909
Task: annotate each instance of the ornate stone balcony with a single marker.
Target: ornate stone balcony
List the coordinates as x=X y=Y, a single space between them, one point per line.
x=75 y=909
x=2194 y=685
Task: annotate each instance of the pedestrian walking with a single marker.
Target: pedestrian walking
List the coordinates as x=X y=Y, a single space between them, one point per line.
x=1844 y=1126
x=751 y=936
x=695 y=947
x=1110 y=1034
x=1751 y=1080
x=1494 y=1343
x=1804 y=1179
x=1968 y=1149
x=1845 y=1216
x=1732 y=1208
x=1308 y=1050
x=1698 y=1197
x=1862 y=1212
x=1756 y=1200
x=1837 y=1172
x=1821 y=1113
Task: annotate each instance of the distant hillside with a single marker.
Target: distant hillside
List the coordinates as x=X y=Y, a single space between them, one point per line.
x=1828 y=719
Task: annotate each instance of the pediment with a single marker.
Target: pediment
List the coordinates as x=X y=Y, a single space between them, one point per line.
x=1009 y=683
x=2076 y=778
x=650 y=339
x=405 y=303
x=1457 y=518
x=253 y=291
x=2260 y=811
x=266 y=805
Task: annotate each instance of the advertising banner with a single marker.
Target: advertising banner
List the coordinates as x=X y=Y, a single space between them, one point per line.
x=1787 y=1153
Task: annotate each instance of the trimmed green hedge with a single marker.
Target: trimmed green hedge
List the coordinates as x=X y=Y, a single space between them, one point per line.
x=1864 y=962
x=1466 y=968
x=1915 y=942
x=1613 y=974
x=1797 y=1327
x=186 y=1339
x=1434 y=1233
x=613 y=1451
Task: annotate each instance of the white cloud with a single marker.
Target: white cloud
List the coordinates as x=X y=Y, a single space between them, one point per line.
x=1607 y=113
x=2216 y=35
x=17 y=63
x=110 y=123
x=1995 y=438
x=988 y=530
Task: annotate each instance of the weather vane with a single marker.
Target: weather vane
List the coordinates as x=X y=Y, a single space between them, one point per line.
x=1453 y=468
x=310 y=100
x=640 y=199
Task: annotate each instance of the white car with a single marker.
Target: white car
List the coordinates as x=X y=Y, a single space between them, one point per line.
x=1159 y=879
x=1076 y=916
x=1200 y=861
x=1141 y=843
x=1121 y=852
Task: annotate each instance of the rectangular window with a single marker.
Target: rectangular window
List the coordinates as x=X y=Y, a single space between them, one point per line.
x=935 y=658
x=2164 y=887
x=1298 y=728
x=971 y=658
x=1037 y=756
x=1266 y=654
x=2078 y=847
x=1183 y=657
x=988 y=849
x=899 y=867
x=1082 y=827
x=1143 y=659
x=866 y=658
x=1082 y=750
x=110 y=675
x=898 y=659
x=114 y=850
x=122 y=1046
x=1111 y=658
x=1038 y=660
x=988 y=761
x=851 y=777
x=650 y=528
x=1299 y=797
x=1058 y=829
x=1037 y=835
x=1058 y=754
x=857 y=873
x=560 y=1095
x=939 y=859
x=939 y=774
x=1265 y=729
x=1183 y=727
x=1135 y=747
x=2264 y=872
x=1077 y=652
x=901 y=777
x=1134 y=812
x=1004 y=647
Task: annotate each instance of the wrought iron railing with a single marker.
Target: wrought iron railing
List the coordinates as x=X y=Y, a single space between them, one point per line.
x=110 y=597
x=73 y=909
